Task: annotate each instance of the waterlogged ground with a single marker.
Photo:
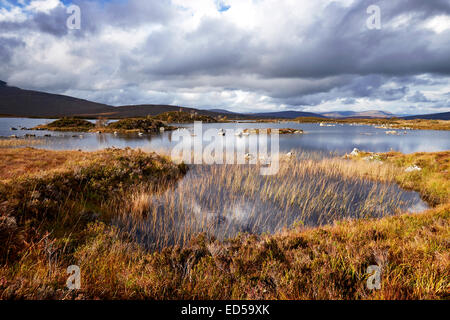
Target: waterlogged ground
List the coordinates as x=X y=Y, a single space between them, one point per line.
x=223 y=200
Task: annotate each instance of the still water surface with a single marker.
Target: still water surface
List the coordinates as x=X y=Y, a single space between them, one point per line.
x=340 y=138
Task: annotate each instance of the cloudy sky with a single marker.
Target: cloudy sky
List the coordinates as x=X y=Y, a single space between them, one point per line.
x=240 y=55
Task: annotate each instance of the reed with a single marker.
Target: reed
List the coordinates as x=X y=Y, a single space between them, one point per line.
x=224 y=200
x=86 y=209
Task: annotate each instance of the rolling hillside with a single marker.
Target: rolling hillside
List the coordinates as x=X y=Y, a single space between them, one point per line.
x=434 y=116
x=16 y=102
x=362 y=114
x=284 y=115
x=27 y=103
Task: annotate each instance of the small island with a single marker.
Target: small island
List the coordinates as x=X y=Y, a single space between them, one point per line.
x=183 y=117
x=132 y=125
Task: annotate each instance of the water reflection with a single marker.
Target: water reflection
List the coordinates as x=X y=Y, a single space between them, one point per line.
x=223 y=201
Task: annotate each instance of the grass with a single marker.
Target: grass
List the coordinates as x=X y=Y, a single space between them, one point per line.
x=224 y=200
x=392 y=123
x=16 y=142
x=16 y=163
x=433 y=179
x=64 y=212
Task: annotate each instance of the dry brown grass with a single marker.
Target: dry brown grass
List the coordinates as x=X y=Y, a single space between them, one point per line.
x=17 y=162
x=418 y=124
x=432 y=181
x=327 y=262
x=5 y=143
x=223 y=200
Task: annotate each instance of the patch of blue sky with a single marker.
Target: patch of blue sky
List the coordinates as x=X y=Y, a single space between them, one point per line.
x=222 y=6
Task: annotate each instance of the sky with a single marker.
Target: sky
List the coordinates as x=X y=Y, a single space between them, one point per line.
x=239 y=55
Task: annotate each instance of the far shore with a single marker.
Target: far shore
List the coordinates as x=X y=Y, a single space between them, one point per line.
x=383 y=123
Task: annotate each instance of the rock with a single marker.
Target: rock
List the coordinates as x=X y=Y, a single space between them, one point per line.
x=391 y=132
x=413 y=168
x=355 y=152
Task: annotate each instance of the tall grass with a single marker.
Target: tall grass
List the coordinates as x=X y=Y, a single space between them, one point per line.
x=20 y=142
x=224 y=200
x=57 y=212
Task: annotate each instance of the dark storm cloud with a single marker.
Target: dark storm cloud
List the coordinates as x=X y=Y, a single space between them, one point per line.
x=122 y=14
x=7 y=47
x=340 y=43
x=53 y=22
x=418 y=97
x=95 y=16
x=214 y=48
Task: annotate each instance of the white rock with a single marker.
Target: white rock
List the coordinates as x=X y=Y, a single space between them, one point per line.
x=413 y=168
x=355 y=152
x=391 y=132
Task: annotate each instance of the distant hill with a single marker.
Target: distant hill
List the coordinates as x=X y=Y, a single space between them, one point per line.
x=222 y=111
x=434 y=116
x=26 y=103
x=153 y=110
x=362 y=114
x=283 y=115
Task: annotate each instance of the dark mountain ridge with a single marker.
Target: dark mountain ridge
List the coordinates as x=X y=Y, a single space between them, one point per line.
x=17 y=102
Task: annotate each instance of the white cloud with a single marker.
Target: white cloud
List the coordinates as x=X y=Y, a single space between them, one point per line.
x=257 y=55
